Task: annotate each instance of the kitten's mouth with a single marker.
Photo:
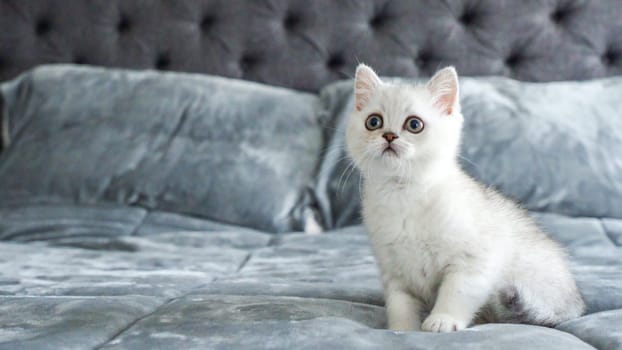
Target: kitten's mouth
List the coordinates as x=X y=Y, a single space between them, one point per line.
x=389 y=151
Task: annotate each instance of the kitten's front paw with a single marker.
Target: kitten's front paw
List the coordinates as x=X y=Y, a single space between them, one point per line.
x=442 y=323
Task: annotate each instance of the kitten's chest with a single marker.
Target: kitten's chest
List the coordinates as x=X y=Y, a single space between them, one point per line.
x=415 y=219
x=407 y=239
x=415 y=263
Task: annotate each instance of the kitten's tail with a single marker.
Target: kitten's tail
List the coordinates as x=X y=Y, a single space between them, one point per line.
x=509 y=306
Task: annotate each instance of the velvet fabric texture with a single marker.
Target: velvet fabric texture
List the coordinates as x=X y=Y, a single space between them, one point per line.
x=117 y=277
x=234 y=151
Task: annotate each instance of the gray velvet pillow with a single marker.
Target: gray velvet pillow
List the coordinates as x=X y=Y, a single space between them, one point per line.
x=555 y=147
x=227 y=150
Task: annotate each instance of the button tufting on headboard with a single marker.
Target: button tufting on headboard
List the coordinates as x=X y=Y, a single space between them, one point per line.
x=561 y=14
x=163 y=61
x=378 y=20
x=307 y=44
x=79 y=59
x=424 y=58
x=207 y=22
x=335 y=62
x=292 y=21
x=610 y=57
x=513 y=60
x=468 y=18
x=248 y=61
x=42 y=26
x=124 y=25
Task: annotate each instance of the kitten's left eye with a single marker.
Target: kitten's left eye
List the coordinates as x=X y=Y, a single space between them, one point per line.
x=414 y=124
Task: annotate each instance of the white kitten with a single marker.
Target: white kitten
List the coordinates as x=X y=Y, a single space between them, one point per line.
x=446 y=245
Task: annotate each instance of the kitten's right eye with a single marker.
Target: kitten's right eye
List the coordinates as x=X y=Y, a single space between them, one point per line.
x=373 y=122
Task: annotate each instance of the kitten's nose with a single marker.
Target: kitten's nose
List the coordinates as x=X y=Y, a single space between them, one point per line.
x=389 y=136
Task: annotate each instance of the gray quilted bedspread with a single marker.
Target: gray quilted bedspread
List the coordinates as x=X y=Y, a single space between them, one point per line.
x=125 y=278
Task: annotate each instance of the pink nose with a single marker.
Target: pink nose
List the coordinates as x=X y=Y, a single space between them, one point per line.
x=389 y=136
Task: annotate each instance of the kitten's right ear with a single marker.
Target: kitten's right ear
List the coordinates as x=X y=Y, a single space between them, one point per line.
x=365 y=83
x=444 y=89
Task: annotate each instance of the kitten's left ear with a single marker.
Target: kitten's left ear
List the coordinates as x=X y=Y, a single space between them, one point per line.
x=365 y=83
x=444 y=89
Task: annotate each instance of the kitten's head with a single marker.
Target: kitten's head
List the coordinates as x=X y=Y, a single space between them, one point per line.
x=401 y=130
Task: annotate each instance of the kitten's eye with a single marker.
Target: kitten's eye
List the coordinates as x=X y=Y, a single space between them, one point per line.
x=413 y=124
x=373 y=122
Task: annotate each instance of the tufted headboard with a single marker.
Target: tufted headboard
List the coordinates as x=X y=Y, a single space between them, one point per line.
x=305 y=44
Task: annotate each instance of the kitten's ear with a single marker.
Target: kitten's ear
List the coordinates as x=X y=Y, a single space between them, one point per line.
x=444 y=89
x=365 y=83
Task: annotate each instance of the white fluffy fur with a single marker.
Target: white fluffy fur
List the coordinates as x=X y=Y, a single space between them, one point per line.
x=451 y=251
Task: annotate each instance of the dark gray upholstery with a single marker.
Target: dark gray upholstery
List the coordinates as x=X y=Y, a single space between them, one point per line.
x=306 y=44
